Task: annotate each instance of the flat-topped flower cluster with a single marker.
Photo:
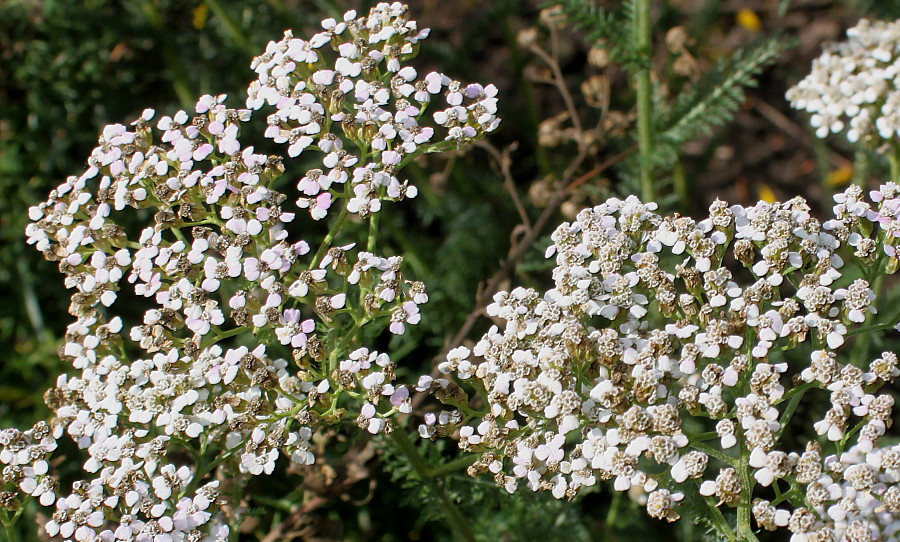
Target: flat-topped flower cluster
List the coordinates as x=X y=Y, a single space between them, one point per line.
x=671 y=355
x=853 y=85
x=249 y=339
x=364 y=110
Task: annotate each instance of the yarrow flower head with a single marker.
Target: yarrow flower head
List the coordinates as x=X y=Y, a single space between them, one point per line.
x=249 y=336
x=853 y=85
x=656 y=362
x=347 y=94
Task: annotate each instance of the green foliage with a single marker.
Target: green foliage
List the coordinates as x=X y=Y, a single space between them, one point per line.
x=878 y=9
x=492 y=513
x=713 y=100
x=612 y=29
x=709 y=102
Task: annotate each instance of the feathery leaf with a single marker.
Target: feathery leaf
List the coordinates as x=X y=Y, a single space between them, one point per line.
x=713 y=100
x=614 y=30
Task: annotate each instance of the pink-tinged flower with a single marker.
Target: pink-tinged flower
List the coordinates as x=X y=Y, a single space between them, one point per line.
x=373 y=425
x=149 y=287
x=348 y=50
x=300 y=287
x=301 y=248
x=460 y=133
x=323 y=77
x=390 y=158
x=200 y=320
x=400 y=396
x=435 y=82
x=338 y=301
x=207 y=102
x=318 y=206
x=228 y=143
x=408 y=313
x=328 y=259
x=322 y=204
x=347 y=68
x=293 y=331
x=454 y=95
x=299 y=145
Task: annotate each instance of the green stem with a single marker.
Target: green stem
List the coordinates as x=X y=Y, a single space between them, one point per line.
x=894 y=158
x=644 y=98
x=236 y=518
x=718 y=521
x=783 y=496
x=744 y=531
x=454 y=517
x=223 y=335
x=681 y=187
x=792 y=407
x=326 y=243
x=340 y=349
x=788 y=394
x=10 y=527
x=439 y=146
x=612 y=515
x=842 y=444
x=823 y=167
x=453 y=466
x=373 y=232
x=860 y=168
x=709 y=450
x=874 y=327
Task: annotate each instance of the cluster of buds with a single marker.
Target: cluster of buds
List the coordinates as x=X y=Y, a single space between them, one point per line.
x=650 y=365
x=853 y=85
x=248 y=339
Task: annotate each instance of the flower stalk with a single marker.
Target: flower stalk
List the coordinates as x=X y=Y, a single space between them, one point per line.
x=643 y=39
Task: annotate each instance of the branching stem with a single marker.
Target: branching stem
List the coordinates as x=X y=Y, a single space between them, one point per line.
x=329 y=238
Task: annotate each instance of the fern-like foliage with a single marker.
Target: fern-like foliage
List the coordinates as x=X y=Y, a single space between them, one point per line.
x=490 y=511
x=713 y=100
x=611 y=29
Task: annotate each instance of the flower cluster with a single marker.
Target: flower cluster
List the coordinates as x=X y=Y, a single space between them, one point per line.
x=853 y=85
x=24 y=457
x=365 y=111
x=651 y=365
x=248 y=338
